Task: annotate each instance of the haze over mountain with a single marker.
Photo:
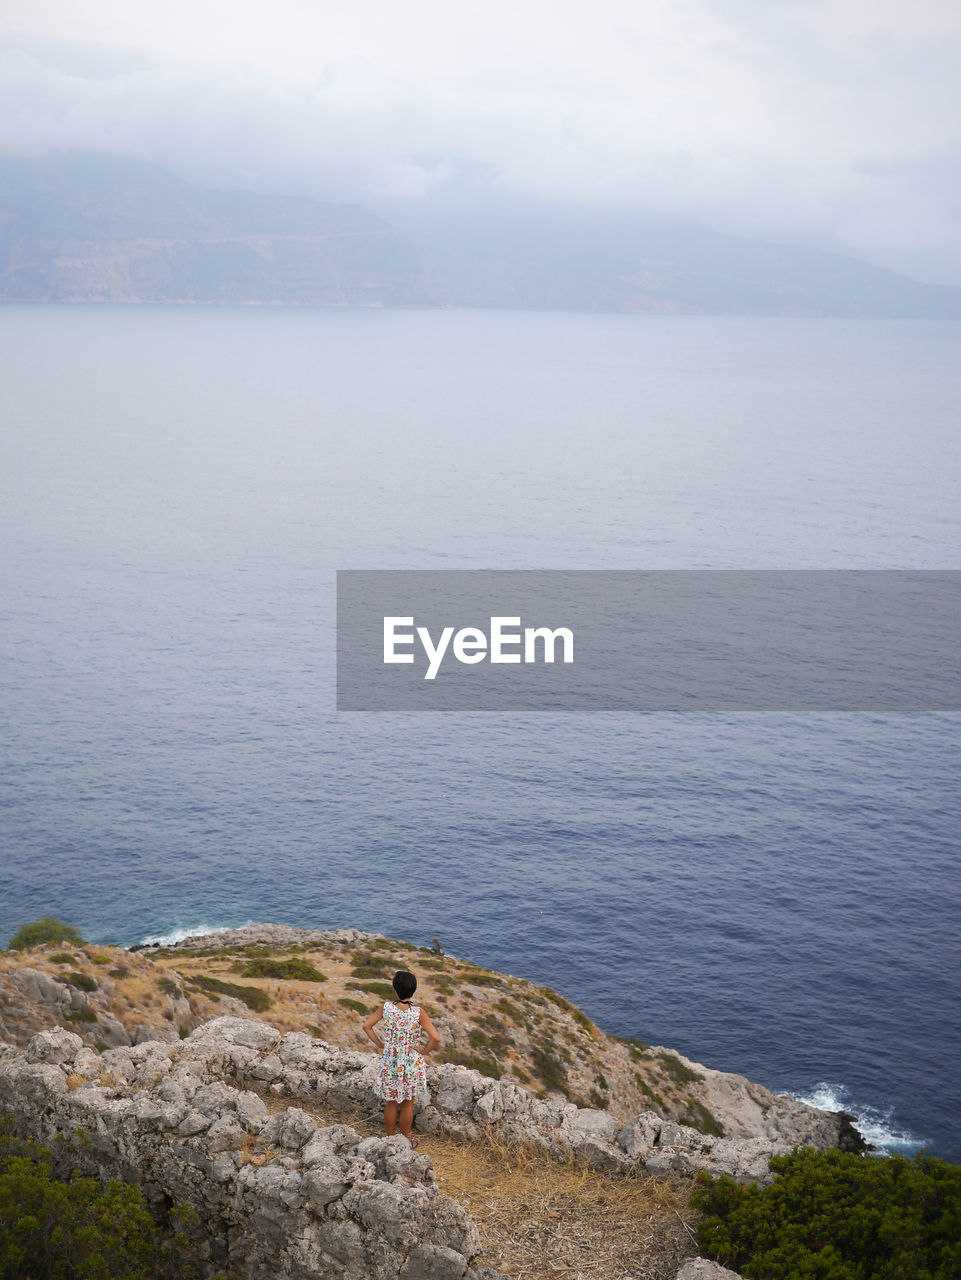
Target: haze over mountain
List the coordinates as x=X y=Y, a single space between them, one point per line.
x=84 y=227
x=92 y=228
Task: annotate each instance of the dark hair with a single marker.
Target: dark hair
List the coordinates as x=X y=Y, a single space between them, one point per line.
x=405 y=984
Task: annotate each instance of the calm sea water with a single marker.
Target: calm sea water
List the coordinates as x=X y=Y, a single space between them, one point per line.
x=775 y=895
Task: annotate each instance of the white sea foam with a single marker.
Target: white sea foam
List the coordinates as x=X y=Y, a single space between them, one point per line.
x=878 y=1128
x=178 y=935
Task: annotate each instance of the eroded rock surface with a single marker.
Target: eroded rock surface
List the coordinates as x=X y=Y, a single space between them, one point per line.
x=276 y=1195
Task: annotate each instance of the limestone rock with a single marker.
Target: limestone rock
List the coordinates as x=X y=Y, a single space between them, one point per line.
x=276 y=1197
x=56 y=1045
x=40 y=986
x=703 y=1269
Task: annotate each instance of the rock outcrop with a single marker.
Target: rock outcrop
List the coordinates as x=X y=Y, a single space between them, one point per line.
x=530 y=1038
x=488 y=1019
x=275 y=1195
x=464 y=1103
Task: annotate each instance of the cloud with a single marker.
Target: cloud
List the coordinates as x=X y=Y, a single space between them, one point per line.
x=791 y=118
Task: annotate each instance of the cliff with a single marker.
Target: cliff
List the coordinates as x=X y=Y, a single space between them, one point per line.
x=502 y=1026
x=97 y=229
x=271 y=1135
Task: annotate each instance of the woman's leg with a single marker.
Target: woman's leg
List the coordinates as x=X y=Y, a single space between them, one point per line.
x=390 y=1117
x=406 y=1116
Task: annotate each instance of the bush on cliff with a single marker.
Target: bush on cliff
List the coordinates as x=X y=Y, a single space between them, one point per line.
x=52 y=1229
x=49 y=929
x=832 y=1215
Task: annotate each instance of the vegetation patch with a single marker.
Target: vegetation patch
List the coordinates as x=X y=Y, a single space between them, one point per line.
x=169 y=988
x=52 y=1229
x=839 y=1216
x=62 y=957
x=81 y=1015
x=253 y=997
x=481 y=978
x=550 y=1069
x=497 y=1044
x=121 y=971
x=369 y=971
x=647 y=1091
x=636 y=1048
x=676 y=1069
x=699 y=1117
x=382 y=989
x=49 y=929
x=510 y=1009
x=82 y=981
x=298 y=970
x=357 y=1006
x=477 y=1062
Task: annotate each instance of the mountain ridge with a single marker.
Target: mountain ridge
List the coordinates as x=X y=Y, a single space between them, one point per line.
x=81 y=227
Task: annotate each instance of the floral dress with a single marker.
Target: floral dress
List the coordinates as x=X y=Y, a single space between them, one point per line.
x=402 y=1070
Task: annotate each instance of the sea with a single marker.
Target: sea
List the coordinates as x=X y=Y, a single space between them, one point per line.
x=771 y=894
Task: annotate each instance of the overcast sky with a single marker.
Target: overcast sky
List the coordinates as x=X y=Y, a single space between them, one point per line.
x=833 y=121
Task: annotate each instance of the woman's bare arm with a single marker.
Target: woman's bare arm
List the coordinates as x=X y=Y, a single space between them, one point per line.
x=371 y=1022
x=434 y=1038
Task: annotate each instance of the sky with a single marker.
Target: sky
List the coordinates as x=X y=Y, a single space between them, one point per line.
x=827 y=122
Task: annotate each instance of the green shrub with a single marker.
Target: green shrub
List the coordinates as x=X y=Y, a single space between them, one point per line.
x=636 y=1048
x=382 y=989
x=358 y=1006
x=169 y=988
x=252 y=997
x=62 y=957
x=477 y=1062
x=78 y=1230
x=100 y=960
x=495 y=1044
x=369 y=971
x=550 y=1068
x=82 y=981
x=49 y=929
x=480 y=978
x=698 y=1116
x=676 y=1069
x=301 y=970
x=833 y=1215
x=81 y=1015
x=648 y=1092
x=120 y=971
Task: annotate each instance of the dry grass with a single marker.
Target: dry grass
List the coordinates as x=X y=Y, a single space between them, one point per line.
x=254 y=1152
x=541 y=1219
